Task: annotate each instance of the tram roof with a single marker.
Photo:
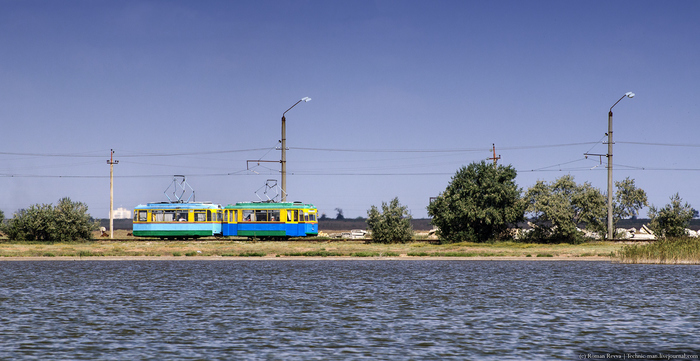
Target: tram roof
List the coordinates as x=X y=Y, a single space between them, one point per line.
x=179 y=205
x=269 y=205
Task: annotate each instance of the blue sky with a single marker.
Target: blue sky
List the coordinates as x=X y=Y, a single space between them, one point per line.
x=404 y=93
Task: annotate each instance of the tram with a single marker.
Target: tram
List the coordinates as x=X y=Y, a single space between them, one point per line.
x=182 y=219
x=270 y=220
x=174 y=220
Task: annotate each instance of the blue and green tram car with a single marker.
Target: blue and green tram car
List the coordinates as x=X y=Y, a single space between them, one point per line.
x=176 y=220
x=270 y=220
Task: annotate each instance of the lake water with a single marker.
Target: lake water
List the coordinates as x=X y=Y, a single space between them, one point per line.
x=337 y=310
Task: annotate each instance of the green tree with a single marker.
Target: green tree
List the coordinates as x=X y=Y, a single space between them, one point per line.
x=478 y=205
x=557 y=209
x=672 y=219
x=628 y=200
x=67 y=221
x=392 y=224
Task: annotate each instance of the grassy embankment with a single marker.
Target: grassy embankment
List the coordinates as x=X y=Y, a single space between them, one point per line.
x=309 y=248
x=668 y=251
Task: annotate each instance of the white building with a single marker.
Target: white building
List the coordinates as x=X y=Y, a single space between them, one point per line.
x=121 y=213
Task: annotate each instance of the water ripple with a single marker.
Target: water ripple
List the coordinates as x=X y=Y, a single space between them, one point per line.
x=282 y=310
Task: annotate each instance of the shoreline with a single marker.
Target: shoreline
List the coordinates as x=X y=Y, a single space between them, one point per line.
x=153 y=250
x=304 y=258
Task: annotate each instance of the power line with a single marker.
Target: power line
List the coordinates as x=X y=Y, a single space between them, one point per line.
x=134 y=155
x=355 y=150
x=458 y=150
x=662 y=144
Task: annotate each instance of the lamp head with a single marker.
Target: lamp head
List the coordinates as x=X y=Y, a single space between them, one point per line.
x=306 y=99
x=629 y=94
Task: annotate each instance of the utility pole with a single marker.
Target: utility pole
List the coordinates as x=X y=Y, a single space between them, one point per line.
x=495 y=159
x=611 y=231
x=283 y=159
x=111 y=163
x=609 y=155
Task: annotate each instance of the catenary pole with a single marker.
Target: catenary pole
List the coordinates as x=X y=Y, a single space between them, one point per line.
x=283 y=159
x=611 y=232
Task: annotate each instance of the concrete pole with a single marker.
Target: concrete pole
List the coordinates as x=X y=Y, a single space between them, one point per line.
x=610 y=175
x=610 y=165
x=111 y=163
x=284 y=148
x=111 y=201
x=284 y=158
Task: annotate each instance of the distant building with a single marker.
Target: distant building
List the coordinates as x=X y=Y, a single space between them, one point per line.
x=121 y=213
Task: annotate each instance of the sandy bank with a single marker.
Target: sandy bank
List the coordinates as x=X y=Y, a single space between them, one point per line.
x=296 y=258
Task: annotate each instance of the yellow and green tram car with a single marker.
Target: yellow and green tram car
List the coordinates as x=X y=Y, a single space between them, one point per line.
x=270 y=220
x=176 y=220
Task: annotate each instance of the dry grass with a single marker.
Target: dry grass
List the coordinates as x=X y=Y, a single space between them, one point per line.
x=213 y=247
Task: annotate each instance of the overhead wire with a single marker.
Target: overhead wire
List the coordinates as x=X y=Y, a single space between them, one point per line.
x=457 y=150
x=133 y=155
x=93 y=154
x=661 y=144
x=347 y=171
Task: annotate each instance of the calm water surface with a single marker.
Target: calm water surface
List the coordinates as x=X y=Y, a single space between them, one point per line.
x=282 y=310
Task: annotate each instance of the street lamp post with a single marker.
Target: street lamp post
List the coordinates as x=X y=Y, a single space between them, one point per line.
x=283 y=160
x=610 y=165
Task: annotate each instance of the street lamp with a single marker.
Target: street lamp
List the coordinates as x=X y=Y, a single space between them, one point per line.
x=610 y=165
x=284 y=148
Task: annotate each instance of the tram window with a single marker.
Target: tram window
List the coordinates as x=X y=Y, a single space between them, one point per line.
x=274 y=216
x=157 y=216
x=248 y=215
x=143 y=216
x=306 y=217
x=200 y=216
x=312 y=217
x=208 y=216
x=289 y=216
x=235 y=216
x=168 y=216
x=261 y=216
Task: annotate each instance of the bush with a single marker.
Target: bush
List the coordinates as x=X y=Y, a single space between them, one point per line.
x=66 y=222
x=392 y=224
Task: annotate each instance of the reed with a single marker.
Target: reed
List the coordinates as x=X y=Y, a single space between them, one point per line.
x=667 y=251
